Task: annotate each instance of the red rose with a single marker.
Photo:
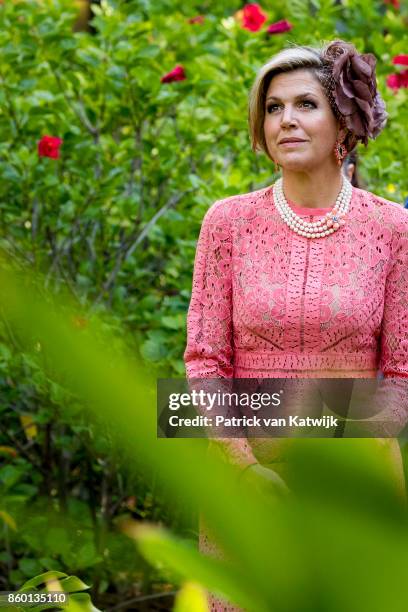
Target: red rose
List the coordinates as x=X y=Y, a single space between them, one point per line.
x=394 y=3
x=177 y=74
x=197 y=19
x=396 y=81
x=253 y=17
x=393 y=81
x=404 y=78
x=279 y=27
x=49 y=146
x=400 y=60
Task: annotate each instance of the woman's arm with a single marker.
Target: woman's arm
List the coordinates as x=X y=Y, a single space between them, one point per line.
x=393 y=391
x=209 y=321
x=209 y=351
x=389 y=404
x=394 y=329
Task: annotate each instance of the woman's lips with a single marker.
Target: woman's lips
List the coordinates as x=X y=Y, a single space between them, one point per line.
x=294 y=143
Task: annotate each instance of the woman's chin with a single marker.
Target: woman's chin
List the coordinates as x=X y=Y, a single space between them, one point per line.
x=295 y=165
x=300 y=165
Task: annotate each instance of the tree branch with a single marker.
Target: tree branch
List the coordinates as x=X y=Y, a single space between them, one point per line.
x=128 y=247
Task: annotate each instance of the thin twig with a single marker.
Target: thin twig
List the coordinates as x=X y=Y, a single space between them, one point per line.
x=11 y=108
x=63 y=249
x=127 y=248
x=76 y=106
x=136 y=164
x=143 y=598
x=19 y=254
x=174 y=200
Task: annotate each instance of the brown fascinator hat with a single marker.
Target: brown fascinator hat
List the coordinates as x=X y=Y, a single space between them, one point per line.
x=352 y=90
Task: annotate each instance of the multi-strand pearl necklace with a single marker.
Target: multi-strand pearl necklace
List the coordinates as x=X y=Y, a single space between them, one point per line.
x=331 y=222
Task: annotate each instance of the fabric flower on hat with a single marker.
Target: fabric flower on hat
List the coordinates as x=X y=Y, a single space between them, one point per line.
x=177 y=74
x=253 y=17
x=49 y=146
x=279 y=27
x=354 y=89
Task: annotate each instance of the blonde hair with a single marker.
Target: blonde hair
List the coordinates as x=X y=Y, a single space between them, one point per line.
x=293 y=58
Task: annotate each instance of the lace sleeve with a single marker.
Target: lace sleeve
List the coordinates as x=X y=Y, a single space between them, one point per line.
x=394 y=330
x=392 y=394
x=209 y=352
x=209 y=321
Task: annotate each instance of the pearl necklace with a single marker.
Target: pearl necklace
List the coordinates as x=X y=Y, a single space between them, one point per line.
x=331 y=222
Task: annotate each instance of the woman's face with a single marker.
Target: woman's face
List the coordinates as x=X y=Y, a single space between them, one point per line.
x=296 y=107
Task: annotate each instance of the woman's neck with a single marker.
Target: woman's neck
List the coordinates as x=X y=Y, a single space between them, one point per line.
x=313 y=190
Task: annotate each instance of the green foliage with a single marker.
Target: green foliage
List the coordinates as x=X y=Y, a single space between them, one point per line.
x=117 y=216
x=345 y=513
x=115 y=220
x=191 y=597
x=53 y=581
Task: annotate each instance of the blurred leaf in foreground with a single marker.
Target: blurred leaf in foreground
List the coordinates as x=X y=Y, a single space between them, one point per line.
x=339 y=542
x=191 y=597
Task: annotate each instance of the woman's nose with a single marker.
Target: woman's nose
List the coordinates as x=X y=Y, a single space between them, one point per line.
x=288 y=116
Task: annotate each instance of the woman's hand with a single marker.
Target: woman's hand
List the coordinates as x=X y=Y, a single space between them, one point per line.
x=265 y=480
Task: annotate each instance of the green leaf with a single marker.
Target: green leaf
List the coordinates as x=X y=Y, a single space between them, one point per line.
x=72 y=584
x=29 y=566
x=191 y=597
x=161 y=548
x=174 y=322
x=81 y=602
x=148 y=51
x=152 y=350
x=42 y=579
x=10 y=475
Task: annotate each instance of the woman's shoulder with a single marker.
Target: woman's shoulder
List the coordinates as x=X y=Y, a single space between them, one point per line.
x=390 y=212
x=237 y=206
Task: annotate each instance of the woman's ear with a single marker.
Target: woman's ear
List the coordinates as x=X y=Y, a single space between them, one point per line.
x=342 y=133
x=342 y=130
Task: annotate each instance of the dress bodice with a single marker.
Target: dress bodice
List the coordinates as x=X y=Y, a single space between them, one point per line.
x=267 y=302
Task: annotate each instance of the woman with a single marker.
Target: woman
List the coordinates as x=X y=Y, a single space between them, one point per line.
x=305 y=278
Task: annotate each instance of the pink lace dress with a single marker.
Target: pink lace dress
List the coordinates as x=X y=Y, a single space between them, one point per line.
x=269 y=303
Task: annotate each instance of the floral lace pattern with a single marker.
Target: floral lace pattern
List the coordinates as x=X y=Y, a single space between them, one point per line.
x=269 y=303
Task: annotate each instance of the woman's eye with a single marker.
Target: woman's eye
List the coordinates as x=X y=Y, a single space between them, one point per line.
x=271 y=108
x=309 y=103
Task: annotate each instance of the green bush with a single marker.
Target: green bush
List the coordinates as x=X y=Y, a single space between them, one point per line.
x=319 y=547
x=115 y=220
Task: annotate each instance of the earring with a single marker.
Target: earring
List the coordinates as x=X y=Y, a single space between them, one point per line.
x=340 y=152
x=277 y=167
